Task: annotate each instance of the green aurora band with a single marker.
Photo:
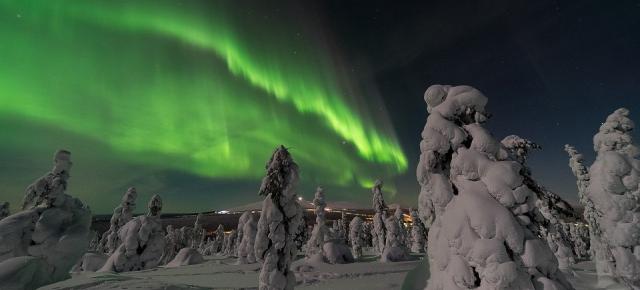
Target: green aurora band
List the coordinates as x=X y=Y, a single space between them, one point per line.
x=205 y=88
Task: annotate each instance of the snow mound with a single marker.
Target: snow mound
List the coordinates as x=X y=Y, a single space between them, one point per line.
x=186 y=256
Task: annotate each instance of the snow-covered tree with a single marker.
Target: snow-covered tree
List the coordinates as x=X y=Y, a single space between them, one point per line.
x=379 y=232
x=198 y=236
x=171 y=244
x=611 y=194
x=356 y=237
x=143 y=242
x=395 y=249
x=246 y=253
x=185 y=236
x=320 y=230
x=342 y=228
x=367 y=229
x=399 y=217
x=482 y=214
x=418 y=233
x=4 y=210
x=41 y=243
x=122 y=214
x=243 y=218
x=279 y=219
x=229 y=247
x=218 y=239
x=580 y=236
x=302 y=234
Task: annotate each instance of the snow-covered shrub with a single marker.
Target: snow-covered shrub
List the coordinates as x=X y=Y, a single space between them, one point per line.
x=246 y=253
x=418 y=233
x=395 y=249
x=279 y=220
x=41 y=243
x=356 y=237
x=143 y=242
x=483 y=231
x=611 y=193
x=379 y=232
x=4 y=210
x=186 y=256
x=121 y=215
x=320 y=231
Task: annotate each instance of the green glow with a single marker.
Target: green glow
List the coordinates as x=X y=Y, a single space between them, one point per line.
x=200 y=87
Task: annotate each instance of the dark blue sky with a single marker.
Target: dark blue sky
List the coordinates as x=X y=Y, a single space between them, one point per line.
x=553 y=70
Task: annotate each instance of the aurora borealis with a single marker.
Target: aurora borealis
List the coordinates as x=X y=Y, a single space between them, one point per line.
x=188 y=98
x=197 y=89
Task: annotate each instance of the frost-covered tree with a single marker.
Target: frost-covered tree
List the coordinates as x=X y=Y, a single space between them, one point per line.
x=399 y=217
x=367 y=229
x=279 y=219
x=580 y=236
x=122 y=214
x=611 y=194
x=342 y=228
x=143 y=242
x=320 y=230
x=379 y=232
x=170 y=245
x=198 y=236
x=41 y=243
x=483 y=231
x=395 y=249
x=418 y=233
x=243 y=218
x=356 y=236
x=4 y=210
x=218 y=239
x=246 y=253
x=229 y=248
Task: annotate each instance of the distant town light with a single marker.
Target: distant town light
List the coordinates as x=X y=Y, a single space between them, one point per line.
x=223 y=212
x=299 y=197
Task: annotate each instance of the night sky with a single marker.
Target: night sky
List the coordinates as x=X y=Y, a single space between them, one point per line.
x=188 y=99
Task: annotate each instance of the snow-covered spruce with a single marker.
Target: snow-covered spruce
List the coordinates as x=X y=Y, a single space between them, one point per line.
x=122 y=214
x=343 y=227
x=600 y=252
x=399 y=217
x=356 y=236
x=302 y=234
x=41 y=243
x=418 y=233
x=218 y=240
x=243 y=218
x=482 y=233
x=198 y=234
x=379 y=232
x=320 y=230
x=229 y=247
x=170 y=246
x=614 y=191
x=246 y=253
x=4 y=210
x=143 y=242
x=395 y=249
x=279 y=219
x=367 y=229
x=580 y=236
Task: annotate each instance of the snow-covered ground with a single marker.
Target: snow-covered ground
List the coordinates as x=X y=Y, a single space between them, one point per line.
x=222 y=273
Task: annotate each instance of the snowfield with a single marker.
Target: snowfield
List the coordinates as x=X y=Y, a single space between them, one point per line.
x=219 y=272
